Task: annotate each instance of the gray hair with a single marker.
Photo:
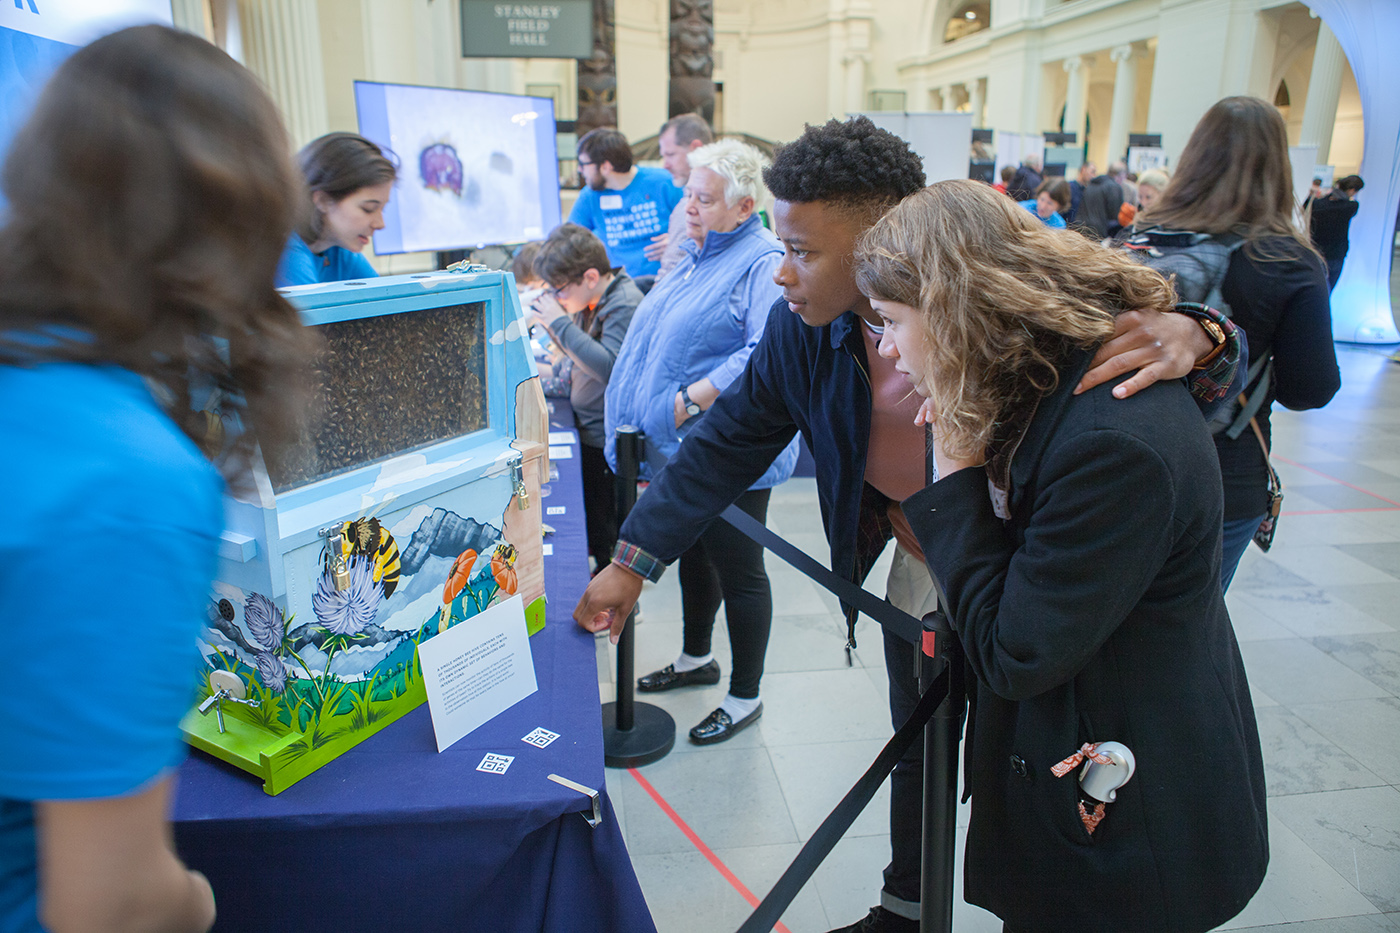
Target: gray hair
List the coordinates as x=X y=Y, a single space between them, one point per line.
x=739 y=164
x=1153 y=178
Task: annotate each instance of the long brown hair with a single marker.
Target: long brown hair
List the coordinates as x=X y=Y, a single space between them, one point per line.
x=1003 y=299
x=150 y=197
x=1234 y=176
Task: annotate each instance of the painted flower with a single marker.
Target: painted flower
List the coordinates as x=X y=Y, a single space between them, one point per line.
x=348 y=611
x=457 y=578
x=271 y=671
x=264 y=621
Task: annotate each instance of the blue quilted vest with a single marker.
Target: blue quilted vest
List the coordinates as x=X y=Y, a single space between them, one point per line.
x=680 y=332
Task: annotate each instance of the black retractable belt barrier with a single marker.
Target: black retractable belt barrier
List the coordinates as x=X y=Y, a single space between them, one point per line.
x=636 y=733
x=834 y=826
x=939 y=713
x=901 y=623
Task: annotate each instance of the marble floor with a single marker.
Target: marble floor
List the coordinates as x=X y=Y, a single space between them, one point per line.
x=1318 y=619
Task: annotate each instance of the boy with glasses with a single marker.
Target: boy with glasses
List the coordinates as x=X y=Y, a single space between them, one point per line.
x=586 y=308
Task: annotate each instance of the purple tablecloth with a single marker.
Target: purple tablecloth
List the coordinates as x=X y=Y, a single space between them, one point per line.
x=393 y=835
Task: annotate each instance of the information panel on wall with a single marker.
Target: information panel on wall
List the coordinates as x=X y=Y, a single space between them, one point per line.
x=560 y=29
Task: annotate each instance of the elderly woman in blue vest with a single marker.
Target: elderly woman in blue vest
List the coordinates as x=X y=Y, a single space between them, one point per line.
x=690 y=338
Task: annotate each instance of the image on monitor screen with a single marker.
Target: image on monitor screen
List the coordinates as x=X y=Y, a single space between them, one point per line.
x=475 y=168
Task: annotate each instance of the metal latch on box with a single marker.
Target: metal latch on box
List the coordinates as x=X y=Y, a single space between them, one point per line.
x=596 y=818
x=517 y=479
x=335 y=557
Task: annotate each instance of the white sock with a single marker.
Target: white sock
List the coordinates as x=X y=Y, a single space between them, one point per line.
x=736 y=707
x=688 y=662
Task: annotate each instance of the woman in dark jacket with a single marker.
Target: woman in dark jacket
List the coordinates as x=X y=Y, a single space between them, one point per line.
x=1234 y=181
x=1077 y=542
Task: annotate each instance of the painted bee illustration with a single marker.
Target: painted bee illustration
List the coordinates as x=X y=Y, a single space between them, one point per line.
x=503 y=567
x=366 y=537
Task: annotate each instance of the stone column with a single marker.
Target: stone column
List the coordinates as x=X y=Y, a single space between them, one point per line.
x=977 y=96
x=855 y=63
x=1324 y=87
x=192 y=16
x=282 y=46
x=1120 y=121
x=918 y=95
x=945 y=95
x=1077 y=94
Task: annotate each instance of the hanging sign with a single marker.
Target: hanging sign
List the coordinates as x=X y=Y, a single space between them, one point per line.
x=559 y=29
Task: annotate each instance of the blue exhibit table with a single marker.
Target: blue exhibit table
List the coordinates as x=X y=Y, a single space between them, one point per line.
x=393 y=835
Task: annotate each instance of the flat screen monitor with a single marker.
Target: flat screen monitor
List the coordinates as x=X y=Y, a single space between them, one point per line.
x=475 y=168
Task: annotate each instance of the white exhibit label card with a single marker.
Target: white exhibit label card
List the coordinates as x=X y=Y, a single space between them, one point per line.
x=477 y=669
x=561 y=453
x=562 y=437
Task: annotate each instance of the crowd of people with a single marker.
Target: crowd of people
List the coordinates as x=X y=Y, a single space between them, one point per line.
x=992 y=378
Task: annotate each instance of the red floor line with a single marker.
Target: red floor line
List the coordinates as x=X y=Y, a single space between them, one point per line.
x=699 y=843
x=1332 y=478
x=1339 y=511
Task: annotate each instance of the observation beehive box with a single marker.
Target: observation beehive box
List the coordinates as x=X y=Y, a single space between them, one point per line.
x=410 y=506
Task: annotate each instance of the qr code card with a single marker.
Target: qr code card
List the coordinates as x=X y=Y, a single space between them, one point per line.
x=495 y=764
x=540 y=737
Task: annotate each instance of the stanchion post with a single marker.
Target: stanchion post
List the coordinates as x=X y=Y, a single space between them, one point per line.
x=639 y=733
x=629 y=457
x=941 y=737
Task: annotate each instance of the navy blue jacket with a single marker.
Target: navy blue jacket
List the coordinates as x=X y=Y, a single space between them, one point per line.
x=796 y=374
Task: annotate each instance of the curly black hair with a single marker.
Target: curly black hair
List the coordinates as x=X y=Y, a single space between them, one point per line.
x=852 y=163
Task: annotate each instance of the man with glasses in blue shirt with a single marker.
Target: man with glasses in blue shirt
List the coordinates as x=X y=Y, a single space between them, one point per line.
x=624 y=204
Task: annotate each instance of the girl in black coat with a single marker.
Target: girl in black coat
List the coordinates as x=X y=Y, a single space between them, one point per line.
x=1234 y=180
x=1077 y=539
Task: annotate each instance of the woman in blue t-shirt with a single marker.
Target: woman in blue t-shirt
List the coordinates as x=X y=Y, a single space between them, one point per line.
x=349 y=180
x=162 y=163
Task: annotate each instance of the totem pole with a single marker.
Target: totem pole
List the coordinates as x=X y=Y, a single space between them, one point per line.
x=693 y=58
x=597 y=76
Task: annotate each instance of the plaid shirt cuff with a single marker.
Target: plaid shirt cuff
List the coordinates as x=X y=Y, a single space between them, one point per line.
x=638 y=561
x=1211 y=384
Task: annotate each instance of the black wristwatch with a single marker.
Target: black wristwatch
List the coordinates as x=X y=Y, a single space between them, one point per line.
x=691 y=409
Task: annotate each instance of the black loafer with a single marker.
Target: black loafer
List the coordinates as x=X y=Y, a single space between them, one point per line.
x=718 y=727
x=668 y=678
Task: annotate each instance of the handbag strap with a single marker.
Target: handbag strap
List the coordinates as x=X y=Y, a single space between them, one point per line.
x=1275 y=485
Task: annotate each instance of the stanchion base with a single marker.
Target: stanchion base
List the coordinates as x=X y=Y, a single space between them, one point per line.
x=652 y=734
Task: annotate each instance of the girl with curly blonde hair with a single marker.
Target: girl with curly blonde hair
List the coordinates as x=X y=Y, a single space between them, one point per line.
x=1076 y=539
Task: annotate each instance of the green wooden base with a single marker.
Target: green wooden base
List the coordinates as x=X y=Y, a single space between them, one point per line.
x=279 y=761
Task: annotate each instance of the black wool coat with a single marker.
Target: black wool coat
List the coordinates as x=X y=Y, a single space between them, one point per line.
x=1094 y=613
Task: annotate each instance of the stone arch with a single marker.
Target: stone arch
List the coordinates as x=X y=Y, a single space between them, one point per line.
x=937 y=13
x=966 y=18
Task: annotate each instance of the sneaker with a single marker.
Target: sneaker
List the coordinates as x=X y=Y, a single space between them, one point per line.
x=880 y=920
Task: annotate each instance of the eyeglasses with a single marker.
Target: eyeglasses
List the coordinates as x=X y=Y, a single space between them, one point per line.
x=582 y=163
x=559 y=292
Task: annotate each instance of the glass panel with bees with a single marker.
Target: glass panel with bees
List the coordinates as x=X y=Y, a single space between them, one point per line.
x=410 y=505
